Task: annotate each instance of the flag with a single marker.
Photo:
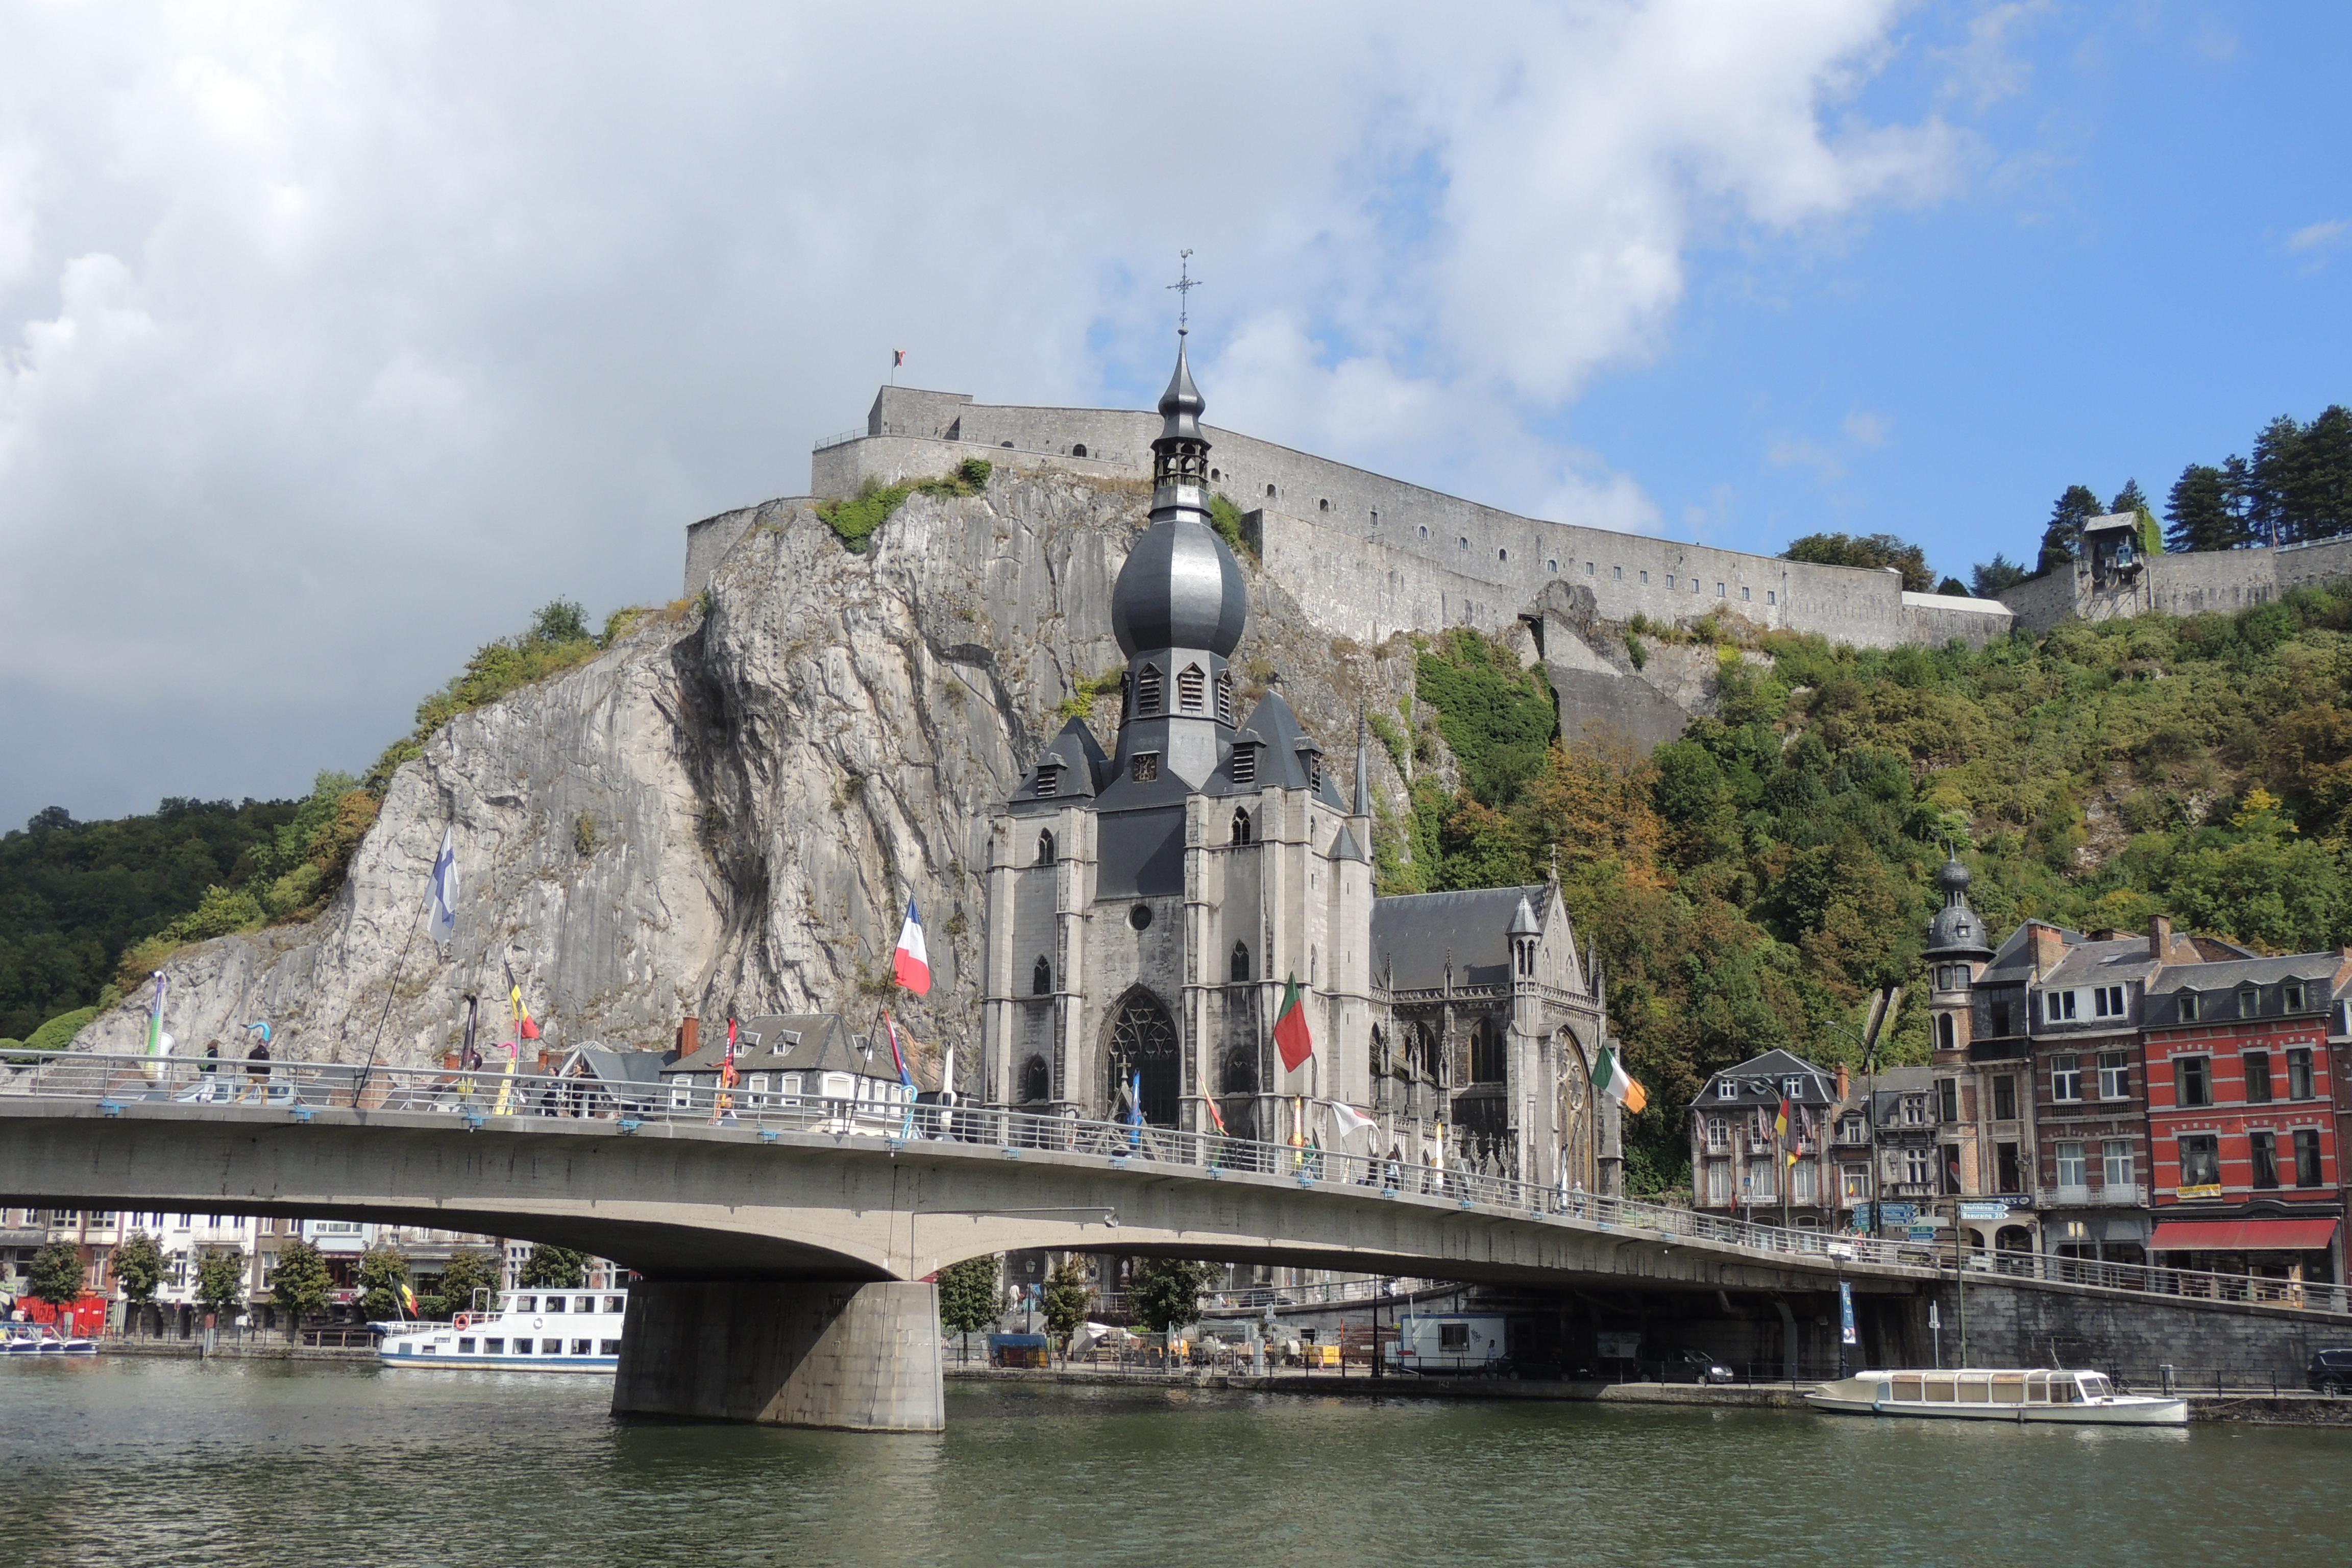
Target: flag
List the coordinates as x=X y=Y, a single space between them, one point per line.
x=443 y=918
x=912 y=964
x=1215 y=1116
x=1347 y=1119
x=1291 y=1035
x=525 y=1028
x=1780 y=1123
x=899 y=1056
x=898 y=358
x=1609 y=1077
x=408 y=1300
x=727 y=1064
x=159 y=1044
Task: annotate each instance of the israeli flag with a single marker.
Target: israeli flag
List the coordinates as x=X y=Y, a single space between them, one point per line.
x=444 y=888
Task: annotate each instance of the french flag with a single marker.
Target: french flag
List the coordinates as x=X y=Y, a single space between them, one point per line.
x=912 y=964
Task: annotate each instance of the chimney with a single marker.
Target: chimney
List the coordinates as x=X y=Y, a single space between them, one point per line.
x=690 y=1036
x=1845 y=1083
x=2049 y=947
x=2159 y=938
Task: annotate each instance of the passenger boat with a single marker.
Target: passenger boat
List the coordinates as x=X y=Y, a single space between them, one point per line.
x=529 y=1331
x=31 y=1340
x=2029 y=1393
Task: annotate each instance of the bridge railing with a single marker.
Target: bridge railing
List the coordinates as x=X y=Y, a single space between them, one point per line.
x=483 y=1095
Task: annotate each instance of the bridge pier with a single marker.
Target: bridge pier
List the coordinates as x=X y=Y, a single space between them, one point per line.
x=859 y=1356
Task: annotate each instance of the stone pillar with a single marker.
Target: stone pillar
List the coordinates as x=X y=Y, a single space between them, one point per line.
x=840 y=1353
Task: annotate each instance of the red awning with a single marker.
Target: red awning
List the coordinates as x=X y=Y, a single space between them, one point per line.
x=2243 y=1235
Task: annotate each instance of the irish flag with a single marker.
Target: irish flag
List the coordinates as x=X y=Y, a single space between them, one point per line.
x=912 y=964
x=1609 y=1077
x=1291 y=1036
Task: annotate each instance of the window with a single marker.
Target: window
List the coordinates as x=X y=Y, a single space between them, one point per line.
x=2007 y=1168
x=2116 y=1162
x=494 y=1347
x=1489 y=1054
x=2192 y=1080
x=1800 y=1176
x=2073 y=1169
x=1917 y=1171
x=1226 y=696
x=1453 y=1337
x=2066 y=1077
x=1245 y=768
x=2004 y=1099
x=1049 y=780
x=1948 y=1032
x=2107 y=1001
x=1502 y=556
x=1269 y=495
x=608 y=1347
x=681 y=1093
x=1719 y=1133
x=2114 y=1075
x=1670 y=579
x=1552 y=565
x=1747 y=595
x=2057 y=1006
x=2298 y=1072
x=1947 y=1100
x=2189 y=1007
x=1191 y=689
x=2291 y=996
x=1914 y=1110
x=2257 y=1066
x=1952 y=1170
x=1771 y=597
x=1718 y=591
x=1617 y=573
x=1147 y=691
x=1034 y=1080
x=1465 y=542
x=1998 y=1012
x=2306 y=1157
x=1589 y=568
x=554 y=1304
x=1041 y=979
x=1645 y=579
x=1790 y=1087
x=1853 y=1130
x=1046 y=848
x=2263 y=1146
x=1239 y=967
x=1726 y=1089
x=1145 y=767
x=1718 y=1184
x=527 y=1304
x=2200 y=1162
x=1853 y=1184
x=2250 y=1002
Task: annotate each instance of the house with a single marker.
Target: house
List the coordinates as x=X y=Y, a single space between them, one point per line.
x=1889 y=1115
x=799 y=1062
x=1739 y=1160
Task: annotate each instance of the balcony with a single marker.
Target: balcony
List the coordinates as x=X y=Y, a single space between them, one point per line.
x=2112 y=1195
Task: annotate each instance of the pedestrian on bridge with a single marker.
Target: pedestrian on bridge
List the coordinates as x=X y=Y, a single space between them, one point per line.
x=208 y=1067
x=256 y=1070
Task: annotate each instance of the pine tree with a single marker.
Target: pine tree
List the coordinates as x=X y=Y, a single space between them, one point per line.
x=2059 y=540
x=2272 y=480
x=2128 y=498
x=1988 y=578
x=2197 y=514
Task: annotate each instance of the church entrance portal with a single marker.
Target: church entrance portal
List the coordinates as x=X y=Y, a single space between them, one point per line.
x=1143 y=1042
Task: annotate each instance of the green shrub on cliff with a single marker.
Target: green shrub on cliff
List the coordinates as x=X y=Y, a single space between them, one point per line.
x=855 y=520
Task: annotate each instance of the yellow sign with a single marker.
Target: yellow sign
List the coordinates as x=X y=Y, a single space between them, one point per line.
x=2212 y=1189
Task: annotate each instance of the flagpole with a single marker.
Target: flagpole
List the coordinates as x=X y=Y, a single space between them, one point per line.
x=359 y=1090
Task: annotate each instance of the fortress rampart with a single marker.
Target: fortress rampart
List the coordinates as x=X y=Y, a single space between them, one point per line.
x=1366 y=555
x=2186 y=584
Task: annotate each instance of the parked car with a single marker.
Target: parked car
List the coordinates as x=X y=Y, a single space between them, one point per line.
x=2330 y=1372
x=1685 y=1366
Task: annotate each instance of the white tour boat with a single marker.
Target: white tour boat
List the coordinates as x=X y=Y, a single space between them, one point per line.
x=2031 y=1394
x=530 y=1330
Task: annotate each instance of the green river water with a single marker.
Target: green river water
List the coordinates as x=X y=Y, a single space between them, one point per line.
x=159 y=1462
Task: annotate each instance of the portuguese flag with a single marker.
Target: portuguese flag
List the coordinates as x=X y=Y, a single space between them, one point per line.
x=1291 y=1036
x=1609 y=1077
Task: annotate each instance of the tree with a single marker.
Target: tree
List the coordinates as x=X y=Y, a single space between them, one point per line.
x=1068 y=1298
x=2198 y=513
x=1165 y=1293
x=553 y=1268
x=2128 y=498
x=1953 y=587
x=220 y=1278
x=469 y=1269
x=57 y=1275
x=300 y=1285
x=138 y=1265
x=383 y=1273
x=1875 y=550
x=969 y=1297
x=560 y=621
x=1989 y=578
x=2063 y=535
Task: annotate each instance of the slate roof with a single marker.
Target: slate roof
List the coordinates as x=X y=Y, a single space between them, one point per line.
x=1085 y=769
x=2231 y=973
x=802 y=1042
x=1416 y=931
x=1757 y=1081
x=2089 y=963
x=1285 y=749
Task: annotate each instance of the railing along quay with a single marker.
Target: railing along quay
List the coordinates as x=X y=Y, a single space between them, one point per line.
x=302 y=1088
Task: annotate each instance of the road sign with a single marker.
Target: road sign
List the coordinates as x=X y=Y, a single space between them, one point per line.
x=1898 y=1214
x=1923 y=1233
x=1993 y=1209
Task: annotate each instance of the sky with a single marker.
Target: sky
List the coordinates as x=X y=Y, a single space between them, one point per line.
x=335 y=340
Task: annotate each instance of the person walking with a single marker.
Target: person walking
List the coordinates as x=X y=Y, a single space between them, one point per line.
x=208 y=1067
x=256 y=1070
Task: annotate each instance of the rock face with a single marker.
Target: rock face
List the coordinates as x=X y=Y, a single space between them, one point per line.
x=727 y=814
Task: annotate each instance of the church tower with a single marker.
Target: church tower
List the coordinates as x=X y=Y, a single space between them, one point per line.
x=1957 y=953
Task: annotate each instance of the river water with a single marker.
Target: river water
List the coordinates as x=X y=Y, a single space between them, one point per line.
x=157 y=1462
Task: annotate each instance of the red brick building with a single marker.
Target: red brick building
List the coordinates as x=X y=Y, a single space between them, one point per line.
x=2244 y=1158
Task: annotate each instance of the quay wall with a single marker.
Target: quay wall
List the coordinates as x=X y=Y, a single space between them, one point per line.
x=1367 y=554
x=2042 y=1324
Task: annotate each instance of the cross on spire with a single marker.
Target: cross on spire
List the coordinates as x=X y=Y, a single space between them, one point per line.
x=1184 y=285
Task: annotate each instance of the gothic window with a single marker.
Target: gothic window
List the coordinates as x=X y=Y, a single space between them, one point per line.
x=1046 y=848
x=1488 y=1055
x=1147 y=683
x=1241 y=818
x=1191 y=688
x=1049 y=779
x=1035 y=1085
x=1245 y=766
x=1225 y=696
x=1143 y=1047
x=1237 y=1073
x=1041 y=979
x=1241 y=965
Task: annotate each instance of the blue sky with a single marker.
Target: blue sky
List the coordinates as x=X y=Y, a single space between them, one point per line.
x=334 y=342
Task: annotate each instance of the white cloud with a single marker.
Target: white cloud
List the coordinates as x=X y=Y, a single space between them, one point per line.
x=1864 y=428
x=332 y=340
x=2315 y=236
x=1985 y=67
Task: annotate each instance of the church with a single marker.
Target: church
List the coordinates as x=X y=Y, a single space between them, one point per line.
x=1148 y=911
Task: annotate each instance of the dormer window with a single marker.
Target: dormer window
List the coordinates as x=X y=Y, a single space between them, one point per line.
x=1147 y=691
x=1224 y=697
x=2291 y=996
x=1191 y=689
x=1727 y=1090
x=2250 y=1002
x=1049 y=780
x=2188 y=1000
x=1245 y=766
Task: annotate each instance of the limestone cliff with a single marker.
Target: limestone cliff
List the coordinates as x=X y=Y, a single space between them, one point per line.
x=728 y=813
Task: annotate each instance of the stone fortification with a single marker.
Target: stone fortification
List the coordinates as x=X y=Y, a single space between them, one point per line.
x=727 y=812
x=1369 y=555
x=2096 y=588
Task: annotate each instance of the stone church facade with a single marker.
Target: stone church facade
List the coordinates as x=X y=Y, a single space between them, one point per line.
x=1147 y=910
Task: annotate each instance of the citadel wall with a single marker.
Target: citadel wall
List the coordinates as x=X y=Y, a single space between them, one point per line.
x=1367 y=554
x=2221 y=581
